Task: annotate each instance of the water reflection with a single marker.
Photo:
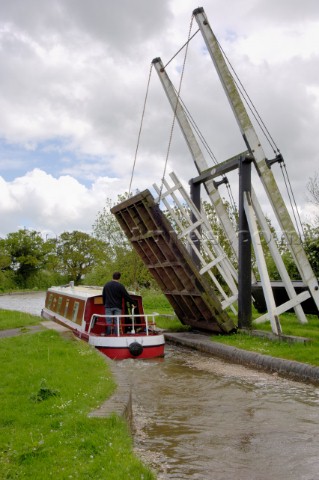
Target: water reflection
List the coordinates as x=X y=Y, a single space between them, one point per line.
x=197 y=417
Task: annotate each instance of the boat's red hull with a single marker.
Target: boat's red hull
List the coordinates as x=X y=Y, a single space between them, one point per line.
x=124 y=353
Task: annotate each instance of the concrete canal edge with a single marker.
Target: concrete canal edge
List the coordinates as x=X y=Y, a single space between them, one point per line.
x=286 y=368
x=120 y=403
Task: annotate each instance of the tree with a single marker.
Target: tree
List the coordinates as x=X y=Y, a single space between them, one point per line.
x=313 y=189
x=78 y=252
x=311 y=246
x=107 y=229
x=5 y=257
x=6 y=273
x=27 y=252
x=122 y=256
x=218 y=230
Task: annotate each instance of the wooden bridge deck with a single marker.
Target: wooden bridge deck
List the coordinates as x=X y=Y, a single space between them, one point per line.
x=154 y=239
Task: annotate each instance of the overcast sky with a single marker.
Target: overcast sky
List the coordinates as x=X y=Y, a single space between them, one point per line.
x=73 y=81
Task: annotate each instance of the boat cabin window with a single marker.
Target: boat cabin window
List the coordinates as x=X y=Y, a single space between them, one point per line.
x=75 y=311
x=54 y=303
x=59 y=305
x=50 y=300
x=66 y=307
x=98 y=300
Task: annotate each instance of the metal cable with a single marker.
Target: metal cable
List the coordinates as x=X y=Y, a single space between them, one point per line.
x=175 y=109
x=141 y=126
x=271 y=142
x=289 y=195
x=209 y=151
x=185 y=44
x=232 y=200
x=295 y=204
x=252 y=108
x=199 y=133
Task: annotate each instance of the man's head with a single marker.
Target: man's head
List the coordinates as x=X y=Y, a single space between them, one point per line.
x=116 y=275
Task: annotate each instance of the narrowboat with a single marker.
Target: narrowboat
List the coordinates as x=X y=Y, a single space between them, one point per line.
x=81 y=309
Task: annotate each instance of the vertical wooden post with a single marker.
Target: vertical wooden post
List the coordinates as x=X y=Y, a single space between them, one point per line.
x=195 y=196
x=244 y=248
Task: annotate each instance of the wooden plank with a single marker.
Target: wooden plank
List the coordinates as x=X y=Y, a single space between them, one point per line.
x=152 y=236
x=192 y=227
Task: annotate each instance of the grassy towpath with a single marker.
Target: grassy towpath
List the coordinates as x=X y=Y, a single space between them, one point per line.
x=307 y=352
x=49 y=385
x=10 y=319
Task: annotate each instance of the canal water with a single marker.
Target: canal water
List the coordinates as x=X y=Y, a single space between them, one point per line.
x=196 y=417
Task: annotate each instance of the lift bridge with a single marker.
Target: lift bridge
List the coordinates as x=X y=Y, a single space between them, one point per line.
x=199 y=279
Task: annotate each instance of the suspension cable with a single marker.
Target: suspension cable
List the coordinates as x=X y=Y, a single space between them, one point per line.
x=251 y=107
x=199 y=133
x=231 y=199
x=183 y=46
x=175 y=109
x=292 y=200
x=141 y=126
x=208 y=149
x=271 y=142
x=210 y=153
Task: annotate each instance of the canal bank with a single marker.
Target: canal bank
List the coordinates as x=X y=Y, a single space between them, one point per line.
x=121 y=402
x=287 y=368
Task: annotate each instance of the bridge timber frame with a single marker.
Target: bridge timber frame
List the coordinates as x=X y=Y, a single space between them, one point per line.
x=262 y=164
x=249 y=212
x=190 y=294
x=152 y=236
x=207 y=176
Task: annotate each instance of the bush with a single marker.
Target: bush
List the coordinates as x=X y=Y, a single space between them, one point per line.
x=44 y=279
x=7 y=282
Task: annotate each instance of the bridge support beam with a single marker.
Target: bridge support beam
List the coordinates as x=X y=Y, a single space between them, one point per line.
x=244 y=248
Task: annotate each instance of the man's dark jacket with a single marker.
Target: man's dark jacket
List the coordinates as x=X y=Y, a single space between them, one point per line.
x=113 y=294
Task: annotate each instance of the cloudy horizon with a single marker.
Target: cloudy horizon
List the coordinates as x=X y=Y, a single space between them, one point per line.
x=74 y=77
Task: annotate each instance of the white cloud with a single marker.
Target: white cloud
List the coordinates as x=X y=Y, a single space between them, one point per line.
x=40 y=201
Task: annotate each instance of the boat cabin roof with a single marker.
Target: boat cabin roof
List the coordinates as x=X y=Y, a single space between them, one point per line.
x=82 y=291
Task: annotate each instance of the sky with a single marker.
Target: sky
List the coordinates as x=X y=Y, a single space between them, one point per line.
x=74 y=75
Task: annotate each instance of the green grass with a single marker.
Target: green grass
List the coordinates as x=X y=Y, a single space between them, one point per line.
x=49 y=384
x=157 y=302
x=154 y=301
x=12 y=319
x=291 y=326
x=300 y=352
x=305 y=353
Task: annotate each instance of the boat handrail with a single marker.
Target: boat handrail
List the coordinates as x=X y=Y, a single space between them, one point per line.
x=132 y=316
